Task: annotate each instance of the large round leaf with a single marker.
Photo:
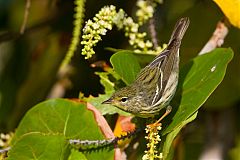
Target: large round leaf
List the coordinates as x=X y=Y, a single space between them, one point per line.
x=45 y=130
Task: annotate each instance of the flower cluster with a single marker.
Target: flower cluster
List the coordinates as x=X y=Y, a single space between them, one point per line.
x=5 y=139
x=136 y=38
x=153 y=139
x=108 y=16
x=145 y=11
x=94 y=29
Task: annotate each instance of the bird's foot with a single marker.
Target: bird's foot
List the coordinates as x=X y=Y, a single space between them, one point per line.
x=157 y=123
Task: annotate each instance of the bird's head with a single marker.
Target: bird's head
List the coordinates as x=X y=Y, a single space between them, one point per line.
x=124 y=99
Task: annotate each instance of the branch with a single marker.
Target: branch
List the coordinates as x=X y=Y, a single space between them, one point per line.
x=8 y=36
x=217 y=38
x=94 y=144
x=26 y=13
x=153 y=32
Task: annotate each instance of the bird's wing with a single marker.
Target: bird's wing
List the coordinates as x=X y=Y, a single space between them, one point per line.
x=160 y=69
x=164 y=69
x=153 y=73
x=168 y=59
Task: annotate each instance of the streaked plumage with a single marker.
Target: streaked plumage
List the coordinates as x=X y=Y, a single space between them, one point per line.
x=156 y=84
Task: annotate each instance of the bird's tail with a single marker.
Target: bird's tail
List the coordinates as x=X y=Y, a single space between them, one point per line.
x=179 y=30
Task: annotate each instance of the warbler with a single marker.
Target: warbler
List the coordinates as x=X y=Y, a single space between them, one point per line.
x=156 y=83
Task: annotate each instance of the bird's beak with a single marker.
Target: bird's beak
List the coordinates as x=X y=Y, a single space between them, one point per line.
x=109 y=101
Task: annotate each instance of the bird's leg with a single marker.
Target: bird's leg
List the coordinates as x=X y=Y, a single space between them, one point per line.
x=157 y=123
x=168 y=110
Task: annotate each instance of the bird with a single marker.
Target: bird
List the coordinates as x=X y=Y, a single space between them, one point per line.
x=155 y=85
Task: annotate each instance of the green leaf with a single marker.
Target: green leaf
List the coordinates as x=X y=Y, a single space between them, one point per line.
x=144 y=59
x=109 y=80
x=76 y=155
x=45 y=130
x=198 y=79
x=230 y=86
x=107 y=84
x=40 y=146
x=126 y=65
x=171 y=136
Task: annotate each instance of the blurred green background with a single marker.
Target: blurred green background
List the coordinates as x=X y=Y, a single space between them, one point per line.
x=29 y=63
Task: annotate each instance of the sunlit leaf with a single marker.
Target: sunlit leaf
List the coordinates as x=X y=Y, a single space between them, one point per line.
x=105 y=81
x=37 y=145
x=76 y=155
x=45 y=130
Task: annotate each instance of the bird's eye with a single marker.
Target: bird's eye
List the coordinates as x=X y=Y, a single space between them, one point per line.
x=124 y=99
